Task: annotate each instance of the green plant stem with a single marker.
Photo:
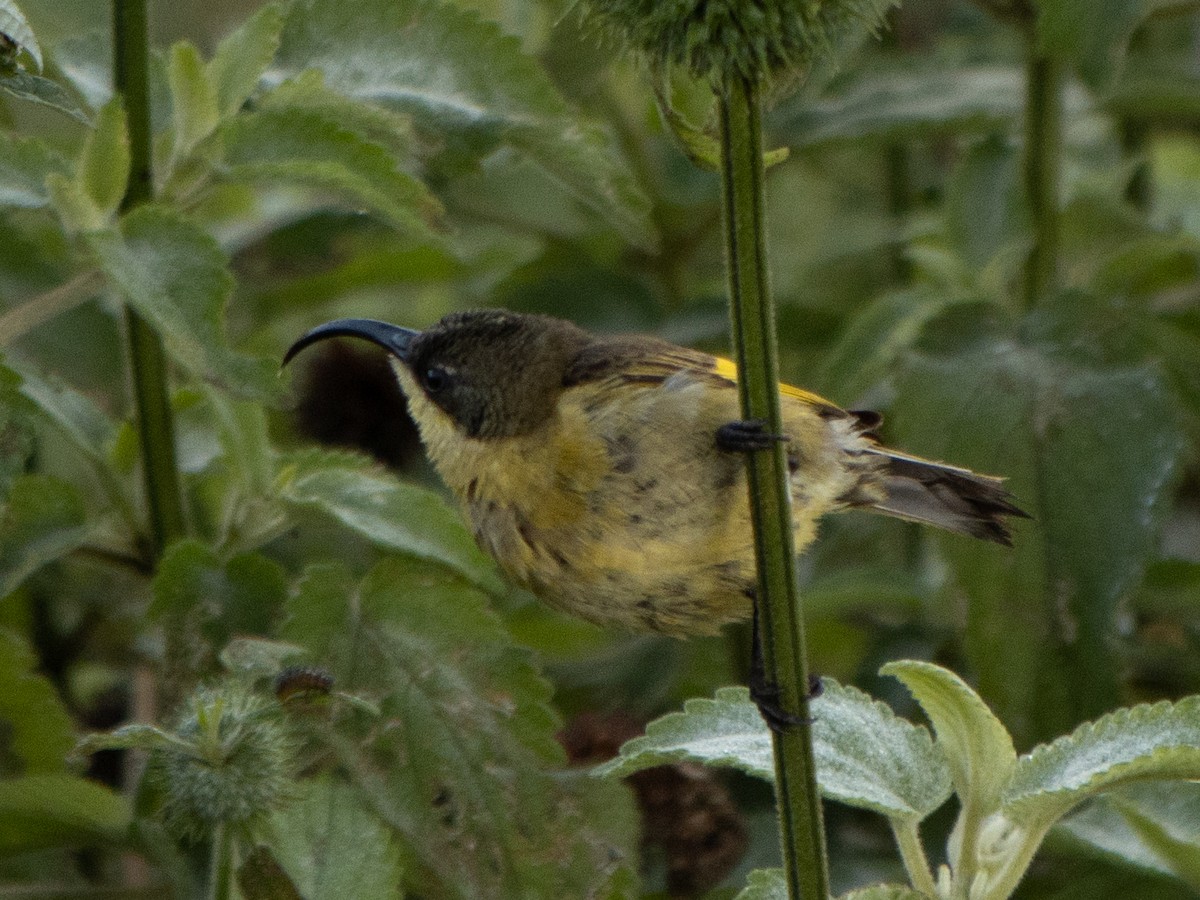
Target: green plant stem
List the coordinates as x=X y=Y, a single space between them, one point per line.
x=20 y=320
x=148 y=364
x=220 y=876
x=753 y=319
x=912 y=854
x=1042 y=166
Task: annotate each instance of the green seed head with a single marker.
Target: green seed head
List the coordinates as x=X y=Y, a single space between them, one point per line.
x=234 y=762
x=715 y=39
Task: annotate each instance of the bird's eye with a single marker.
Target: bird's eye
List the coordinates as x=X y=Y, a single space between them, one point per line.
x=435 y=379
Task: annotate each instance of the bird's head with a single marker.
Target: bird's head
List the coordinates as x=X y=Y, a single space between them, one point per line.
x=493 y=373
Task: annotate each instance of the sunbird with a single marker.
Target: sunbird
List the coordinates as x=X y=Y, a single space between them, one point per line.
x=605 y=474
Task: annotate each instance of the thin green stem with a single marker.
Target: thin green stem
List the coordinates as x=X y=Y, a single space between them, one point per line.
x=220 y=875
x=148 y=364
x=21 y=320
x=1042 y=166
x=912 y=854
x=782 y=629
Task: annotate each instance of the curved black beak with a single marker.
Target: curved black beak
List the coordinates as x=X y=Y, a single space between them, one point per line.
x=392 y=338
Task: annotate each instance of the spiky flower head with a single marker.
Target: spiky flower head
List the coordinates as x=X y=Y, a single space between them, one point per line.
x=231 y=759
x=714 y=39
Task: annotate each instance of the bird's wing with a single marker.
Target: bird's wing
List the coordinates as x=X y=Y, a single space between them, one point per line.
x=651 y=361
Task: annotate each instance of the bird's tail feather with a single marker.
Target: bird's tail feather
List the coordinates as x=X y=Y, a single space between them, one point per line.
x=956 y=499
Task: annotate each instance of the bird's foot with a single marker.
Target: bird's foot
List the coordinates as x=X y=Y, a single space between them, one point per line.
x=746 y=436
x=765 y=691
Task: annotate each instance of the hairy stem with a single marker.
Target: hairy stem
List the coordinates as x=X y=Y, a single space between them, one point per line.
x=148 y=365
x=912 y=854
x=753 y=318
x=1042 y=166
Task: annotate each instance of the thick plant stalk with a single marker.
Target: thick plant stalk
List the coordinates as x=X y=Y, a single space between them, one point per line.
x=1042 y=169
x=782 y=630
x=148 y=365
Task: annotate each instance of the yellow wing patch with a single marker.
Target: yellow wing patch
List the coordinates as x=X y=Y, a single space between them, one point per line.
x=726 y=368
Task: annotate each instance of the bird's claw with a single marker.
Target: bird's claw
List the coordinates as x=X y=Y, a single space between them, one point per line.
x=746 y=436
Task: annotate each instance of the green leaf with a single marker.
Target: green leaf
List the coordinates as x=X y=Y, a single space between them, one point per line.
x=193 y=99
x=725 y=731
x=465 y=82
x=884 y=892
x=458 y=762
x=875 y=338
x=975 y=744
x=307 y=147
x=1135 y=744
x=388 y=512
x=79 y=420
x=260 y=877
x=41 y=811
x=44 y=92
x=307 y=92
x=866 y=756
x=15 y=27
x=174 y=274
x=1181 y=855
x=242 y=596
x=764 y=884
x=331 y=845
x=132 y=737
x=898 y=102
x=104 y=163
x=1153 y=826
x=24 y=165
x=985 y=212
x=43 y=520
x=1091 y=34
x=241 y=59
x=770 y=884
x=1090 y=451
x=36 y=726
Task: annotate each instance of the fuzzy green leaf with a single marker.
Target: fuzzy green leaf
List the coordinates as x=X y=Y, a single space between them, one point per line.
x=241 y=59
x=1153 y=826
x=458 y=760
x=770 y=884
x=131 y=737
x=24 y=165
x=390 y=513
x=892 y=103
x=866 y=756
x=1089 y=451
x=764 y=884
x=78 y=419
x=242 y=596
x=193 y=99
x=41 y=811
x=308 y=93
x=104 y=163
x=36 y=726
x=176 y=276
x=44 y=92
x=468 y=85
x=725 y=731
x=976 y=745
x=332 y=845
x=885 y=892
x=1135 y=744
x=43 y=519
x=307 y=147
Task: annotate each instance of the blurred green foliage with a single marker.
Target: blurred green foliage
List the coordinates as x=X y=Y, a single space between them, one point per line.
x=400 y=159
